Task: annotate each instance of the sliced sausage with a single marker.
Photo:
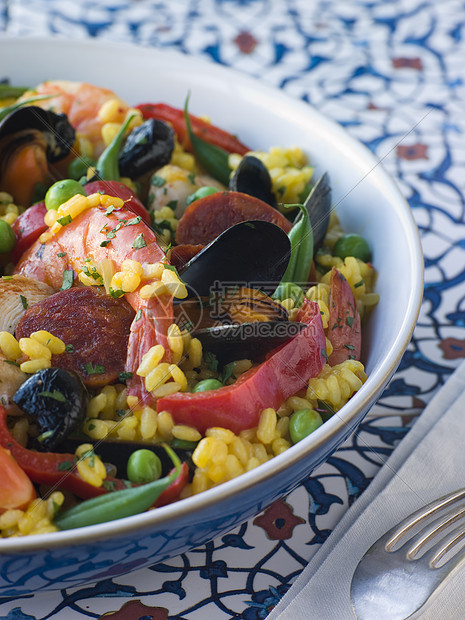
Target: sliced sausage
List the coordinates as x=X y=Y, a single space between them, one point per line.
x=94 y=326
x=182 y=254
x=344 y=330
x=208 y=217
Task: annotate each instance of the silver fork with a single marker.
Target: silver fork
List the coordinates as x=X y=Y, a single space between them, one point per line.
x=394 y=579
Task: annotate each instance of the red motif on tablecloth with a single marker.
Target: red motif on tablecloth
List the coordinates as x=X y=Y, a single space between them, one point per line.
x=134 y=610
x=278 y=521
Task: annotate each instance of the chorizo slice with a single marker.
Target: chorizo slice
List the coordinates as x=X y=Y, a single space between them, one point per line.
x=208 y=217
x=344 y=329
x=94 y=326
x=181 y=254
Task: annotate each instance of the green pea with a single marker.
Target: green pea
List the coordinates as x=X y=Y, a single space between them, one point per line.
x=143 y=466
x=61 y=191
x=78 y=167
x=289 y=290
x=352 y=245
x=207 y=384
x=201 y=193
x=7 y=237
x=302 y=423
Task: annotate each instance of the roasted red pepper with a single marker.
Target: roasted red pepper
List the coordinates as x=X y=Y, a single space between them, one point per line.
x=344 y=329
x=238 y=406
x=116 y=188
x=28 y=227
x=202 y=129
x=59 y=470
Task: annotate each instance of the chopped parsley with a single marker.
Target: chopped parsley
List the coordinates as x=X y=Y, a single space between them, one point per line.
x=325 y=354
x=172 y=204
x=98 y=369
x=65 y=220
x=67 y=279
x=69 y=348
x=350 y=347
x=65 y=466
x=138 y=314
x=110 y=209
x=12 y=362
x=350 y=321
x=361 y=283
x=123 y=376
x=56 y=395
x=24 y=301
x=115 y=293
x=158 y=181
x=105 y=243
x=191 y=178
x=61 y=254
x=139 y=242
x=135 y=220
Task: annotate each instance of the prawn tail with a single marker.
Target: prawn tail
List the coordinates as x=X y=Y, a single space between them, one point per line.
x=149 y=328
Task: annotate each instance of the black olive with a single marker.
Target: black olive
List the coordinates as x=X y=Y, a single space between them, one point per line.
x=57 y=400
x=148 y=146
x=252 y=177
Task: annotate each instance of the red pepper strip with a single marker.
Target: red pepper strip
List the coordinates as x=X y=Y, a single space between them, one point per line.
x=344 y=330
x=202 y=129
x=238 y=406
x=171 y=494
x=116 y=188
x=57 y=469
x=28 y=227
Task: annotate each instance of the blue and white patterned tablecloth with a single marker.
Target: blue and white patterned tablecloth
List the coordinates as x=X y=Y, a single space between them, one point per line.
x=392 y=73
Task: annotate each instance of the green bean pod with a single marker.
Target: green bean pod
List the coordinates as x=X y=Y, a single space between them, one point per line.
x=213 y=158
x=19 y=104
x=107 y=164
x=7 y=91
x=118 y=504
x=301 y=238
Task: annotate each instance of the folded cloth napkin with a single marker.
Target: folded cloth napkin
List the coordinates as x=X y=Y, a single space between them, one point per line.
x=428 y=463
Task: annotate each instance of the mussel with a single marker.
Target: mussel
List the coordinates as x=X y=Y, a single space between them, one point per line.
x=116 y=452
x=252 y=253
x=229 y=308
x=252 y=177
x=30 y=139
x=147 y=147
x=57 y=401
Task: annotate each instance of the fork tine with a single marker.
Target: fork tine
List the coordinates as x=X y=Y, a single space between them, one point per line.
x=446 y=544
x=422 y=538
x=404 y=527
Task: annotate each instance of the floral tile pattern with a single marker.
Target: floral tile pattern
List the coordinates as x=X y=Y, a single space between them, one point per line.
x=391 y=72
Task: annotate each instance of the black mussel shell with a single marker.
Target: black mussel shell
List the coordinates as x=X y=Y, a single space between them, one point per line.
x=148 y=146
x=58 y=133
x=247 y=340
x=318 y=204
x=254 y=254
x=117 y=452
x=57 y=400
x=252 y=177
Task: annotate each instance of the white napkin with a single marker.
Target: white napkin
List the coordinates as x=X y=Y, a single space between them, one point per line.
x=429 y=462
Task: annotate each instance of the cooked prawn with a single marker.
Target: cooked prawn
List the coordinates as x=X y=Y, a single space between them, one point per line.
x=82 y=103
x=100 y=236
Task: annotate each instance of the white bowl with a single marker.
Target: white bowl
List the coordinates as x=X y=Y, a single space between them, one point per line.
x=368 y=202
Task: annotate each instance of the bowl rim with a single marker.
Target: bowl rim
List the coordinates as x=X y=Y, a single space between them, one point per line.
x=361 y=400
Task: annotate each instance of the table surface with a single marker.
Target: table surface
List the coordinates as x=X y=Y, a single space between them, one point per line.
x=392 y=73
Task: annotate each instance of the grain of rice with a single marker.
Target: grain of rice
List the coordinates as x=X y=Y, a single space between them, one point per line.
x=9 y=346
x=165 y=425
x=186 y=433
